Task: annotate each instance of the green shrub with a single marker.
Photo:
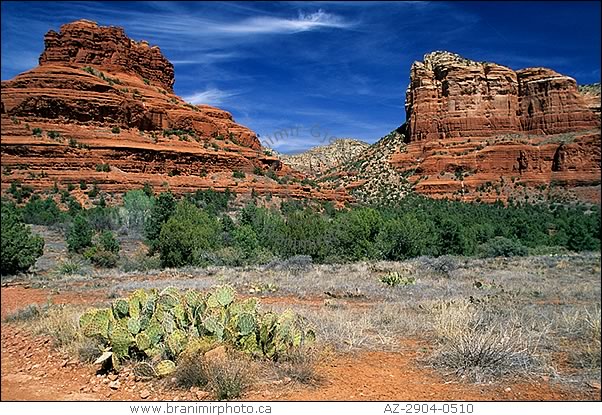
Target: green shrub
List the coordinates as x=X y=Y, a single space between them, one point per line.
x=20 y=247
x=140 y=261
x=356 y=233
x=108 y=242
x=238 y=174
x=115 y=130
x=258 y=171
x=406 y=237
x=148 y=189
x=69 y=266
x=162 y=209
x=79 y=235
x=246 y=240
x=100 y=257
x=37 y=131
x=304 y=233
x=103 y=217
x=54 y=134
x=137 y=208
x=187 y=235
x=103 y=167
x=42 y=212
x=211 y=201
x=94 y=191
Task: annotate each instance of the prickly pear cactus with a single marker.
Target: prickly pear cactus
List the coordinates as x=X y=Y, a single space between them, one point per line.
x=165 y=367
x=245 y=323
x=222 y=296
x=120 y=308
x=154 y=331
x=121 y=339
x=173 y=325
x=133 y=325
x=143 y=342
x=95 y=323
x=176 y=342
x=144 y=370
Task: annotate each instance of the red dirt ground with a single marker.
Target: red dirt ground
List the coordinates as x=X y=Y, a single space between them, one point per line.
x=33 y=370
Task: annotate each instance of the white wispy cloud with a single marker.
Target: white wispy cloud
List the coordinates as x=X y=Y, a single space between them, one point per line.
x=208 y=58
x=303 y=22
x=193 y=25
x=210 y=96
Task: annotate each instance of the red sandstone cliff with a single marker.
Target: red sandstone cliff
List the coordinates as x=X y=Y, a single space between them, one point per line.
x=100 y=98
x=476 y=129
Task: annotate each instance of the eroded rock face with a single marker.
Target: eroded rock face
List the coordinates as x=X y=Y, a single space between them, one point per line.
x=478 y=130
x=101 y=99
x=85 y=43
x=450 y=96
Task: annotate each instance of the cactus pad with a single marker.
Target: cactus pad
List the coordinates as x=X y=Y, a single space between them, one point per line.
x=224 y=295
x=176 y=342
x=121 y=339
x=165 y=367
x=144 y=370
x=121 y=308
x=245 y=323
x=95 y=323
x=133 y=325
x=143 y=342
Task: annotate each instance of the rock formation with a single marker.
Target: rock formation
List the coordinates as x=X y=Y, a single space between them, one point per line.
x=476 y=129
x=450 y=96
x=83 y=43
x=99 y=98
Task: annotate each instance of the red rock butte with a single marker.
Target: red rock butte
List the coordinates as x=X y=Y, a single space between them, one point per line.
x=99 y=98
x=472 y=125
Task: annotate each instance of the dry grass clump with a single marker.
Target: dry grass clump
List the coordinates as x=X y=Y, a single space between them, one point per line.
x=479 y=344
x=191 y=371
x=60 y=323
x=228 y=377
x=299 y=366
x=582 y=328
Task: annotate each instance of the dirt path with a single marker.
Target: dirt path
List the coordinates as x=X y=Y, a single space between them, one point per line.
x=33 y=370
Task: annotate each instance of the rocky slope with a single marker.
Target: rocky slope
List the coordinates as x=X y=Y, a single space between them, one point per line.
x=319 y=159
x=369 y=175
x=100 y=108
x=478 y=130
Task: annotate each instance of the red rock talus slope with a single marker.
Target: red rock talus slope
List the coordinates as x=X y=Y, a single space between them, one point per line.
x=479 y=130
x=99 y=98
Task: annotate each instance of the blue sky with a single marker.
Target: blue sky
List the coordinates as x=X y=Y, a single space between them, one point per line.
x=319 y=70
